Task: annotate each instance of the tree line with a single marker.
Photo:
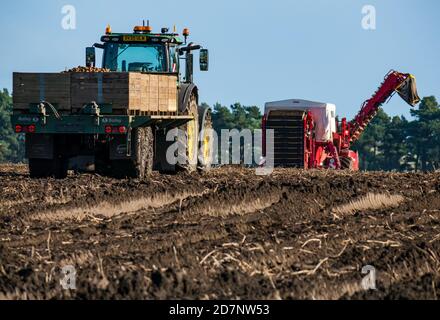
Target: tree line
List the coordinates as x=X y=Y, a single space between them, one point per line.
x=396 y=143
x=11 y=144
x=389 y=143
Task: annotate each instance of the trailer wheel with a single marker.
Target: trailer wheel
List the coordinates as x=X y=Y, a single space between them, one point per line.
x=206 y=140
x=188 y=139
x=141 y=163
x=48 y=168
x=347 y=163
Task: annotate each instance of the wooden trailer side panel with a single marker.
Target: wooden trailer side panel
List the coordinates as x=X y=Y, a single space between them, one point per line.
x=125 y=92
x=32 y=88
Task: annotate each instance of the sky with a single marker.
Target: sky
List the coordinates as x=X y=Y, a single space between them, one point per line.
x=260 y=51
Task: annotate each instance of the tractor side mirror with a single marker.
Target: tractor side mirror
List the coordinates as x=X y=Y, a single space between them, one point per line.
x=204 y=59
x=90 y=57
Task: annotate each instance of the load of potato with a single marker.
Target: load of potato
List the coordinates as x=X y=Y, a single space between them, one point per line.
x=86 y=70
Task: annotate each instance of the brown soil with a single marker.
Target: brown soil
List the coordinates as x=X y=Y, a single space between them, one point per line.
x=227 y=234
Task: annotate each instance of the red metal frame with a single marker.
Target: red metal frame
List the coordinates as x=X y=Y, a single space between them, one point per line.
x=393 y=80
x=309 y=142
x=263 y=126
x=350 y=132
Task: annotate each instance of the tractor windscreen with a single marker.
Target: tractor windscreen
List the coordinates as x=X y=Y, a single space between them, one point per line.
x=135 y=57
x=408 y=91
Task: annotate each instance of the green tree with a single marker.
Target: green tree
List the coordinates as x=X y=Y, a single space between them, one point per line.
x=222 y=117
x=371 y=141
x=424 y=134
x=394 y=146
x=236 y=117
x=11 y=144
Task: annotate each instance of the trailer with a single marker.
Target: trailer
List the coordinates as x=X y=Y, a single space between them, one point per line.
x=121 y=115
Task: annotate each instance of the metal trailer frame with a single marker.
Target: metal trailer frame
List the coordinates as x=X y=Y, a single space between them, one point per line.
x=89 y=124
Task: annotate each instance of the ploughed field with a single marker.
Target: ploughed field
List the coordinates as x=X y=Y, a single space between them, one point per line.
x=227 y=234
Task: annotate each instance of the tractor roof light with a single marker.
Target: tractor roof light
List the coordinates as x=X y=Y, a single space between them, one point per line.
x=108 y=29
x=185 y=33
x=143 y=29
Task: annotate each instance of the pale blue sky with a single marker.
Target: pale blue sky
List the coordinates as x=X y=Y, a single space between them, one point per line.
x=260 y=50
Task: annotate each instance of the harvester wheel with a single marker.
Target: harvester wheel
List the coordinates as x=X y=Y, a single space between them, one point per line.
x=141 y=163
x=188 y=138
x=206 y=140
x=347 y=163
x=48 y=168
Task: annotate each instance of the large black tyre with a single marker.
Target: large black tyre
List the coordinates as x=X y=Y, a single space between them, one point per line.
x=188 y=139
x=141 y=163
x=162 y=146
x=48 y=168
x=205 y=154
x=347 y=163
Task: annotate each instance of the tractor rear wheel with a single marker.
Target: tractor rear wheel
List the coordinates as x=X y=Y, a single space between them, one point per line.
x=141 y=163
x=188 y=139
x=206 y=140
x=48 y=168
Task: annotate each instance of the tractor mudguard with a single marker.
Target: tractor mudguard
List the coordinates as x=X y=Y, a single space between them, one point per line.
x=185 y=92
x=203 y=111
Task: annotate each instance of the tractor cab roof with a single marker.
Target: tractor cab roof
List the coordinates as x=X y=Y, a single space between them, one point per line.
x=141 y=38
x=142 y=34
